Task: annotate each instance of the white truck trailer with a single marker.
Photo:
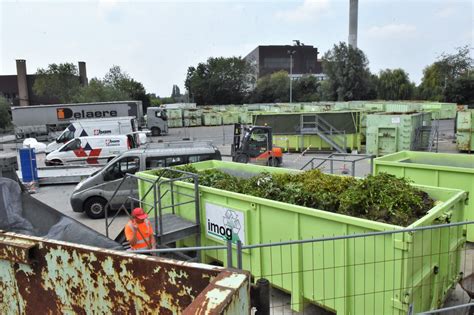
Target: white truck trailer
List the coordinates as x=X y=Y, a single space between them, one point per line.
x=44 y=121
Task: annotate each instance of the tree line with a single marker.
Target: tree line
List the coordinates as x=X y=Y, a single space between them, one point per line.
x=232 y=81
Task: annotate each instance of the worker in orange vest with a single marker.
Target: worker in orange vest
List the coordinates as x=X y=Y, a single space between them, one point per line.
x=139 y=232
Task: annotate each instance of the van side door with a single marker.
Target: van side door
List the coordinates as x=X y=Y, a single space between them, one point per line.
x=113 y=176
x=72 y=152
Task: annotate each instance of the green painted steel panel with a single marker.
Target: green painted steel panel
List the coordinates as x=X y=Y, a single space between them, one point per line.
x=402 y=107
x=465 y=130
x=192 y=113
x=298 y=143
x=175 y=123
x=192 y=121
x=435 y=169
x=292 y=270
x=245 y=118
x=174 y=113
x=211 y=119
x=389 y=133
x=229 y=118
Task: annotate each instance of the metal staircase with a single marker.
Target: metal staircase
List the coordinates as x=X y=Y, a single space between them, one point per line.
x=315 y=124
x=168 y=226
x=427 y=137
x=434 y=136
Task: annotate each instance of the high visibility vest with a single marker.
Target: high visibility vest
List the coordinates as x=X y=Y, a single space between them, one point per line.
x=143 y=234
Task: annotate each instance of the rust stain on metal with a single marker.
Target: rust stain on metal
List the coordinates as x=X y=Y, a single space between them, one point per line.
x=16 y=250
x=81 y=278
x=228 y=293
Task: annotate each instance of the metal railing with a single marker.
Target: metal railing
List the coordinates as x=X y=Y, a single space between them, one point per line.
x=353 y=159
x=324 y=129
x=158 y=188
x=359 y=273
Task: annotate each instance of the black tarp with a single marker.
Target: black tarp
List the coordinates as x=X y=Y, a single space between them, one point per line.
x=21 y=213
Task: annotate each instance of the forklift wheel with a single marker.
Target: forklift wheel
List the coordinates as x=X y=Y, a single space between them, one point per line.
x=272 y=162
x=242 y=158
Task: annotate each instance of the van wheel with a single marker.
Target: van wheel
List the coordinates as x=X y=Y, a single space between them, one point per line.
x=95 y=207
x=20 y=135
x=155 y=131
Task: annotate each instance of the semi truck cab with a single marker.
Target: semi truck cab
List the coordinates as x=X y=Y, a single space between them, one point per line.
x=157 y=121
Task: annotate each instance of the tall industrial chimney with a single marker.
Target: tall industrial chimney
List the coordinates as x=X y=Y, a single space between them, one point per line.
x=82 y=73
x=22 y=83
x=353 y=8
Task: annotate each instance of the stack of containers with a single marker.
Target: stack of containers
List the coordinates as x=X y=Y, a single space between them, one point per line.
x=192 y=117
x=175 y=117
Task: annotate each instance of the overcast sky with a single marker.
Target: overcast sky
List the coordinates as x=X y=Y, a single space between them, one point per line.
x=156 y=41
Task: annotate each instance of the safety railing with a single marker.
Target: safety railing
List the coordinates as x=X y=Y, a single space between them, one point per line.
x=336 y=159
x=317 y=124
x=158 y=188
x=406 y=271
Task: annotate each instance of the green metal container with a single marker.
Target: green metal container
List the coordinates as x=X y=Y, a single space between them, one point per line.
x=175 y=123
x=389 y=133
x=211 y=119
x=299 y=143
x=465 y=130
x=229 y=118
x=293 y=132
x=174 y=113
x=442 y=110
x=192 y=122
x=435 y=169
x=245 y=118
x=192 y=113
x=402 y=107
x=317 y=273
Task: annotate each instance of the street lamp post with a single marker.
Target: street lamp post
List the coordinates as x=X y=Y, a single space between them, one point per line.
x=291 y=53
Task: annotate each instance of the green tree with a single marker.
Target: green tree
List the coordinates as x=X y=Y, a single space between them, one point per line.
x=272 y=88
x=306 y=89
x=447 y=69
x=348 y=73
x=58 y=81
x=394 y=85
x=5 y=119
x=219 y=81
x=99 y=91
x=461 y=90
x=123 y=82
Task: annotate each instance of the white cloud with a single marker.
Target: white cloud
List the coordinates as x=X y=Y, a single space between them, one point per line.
x=309 y=9
x=390 y=31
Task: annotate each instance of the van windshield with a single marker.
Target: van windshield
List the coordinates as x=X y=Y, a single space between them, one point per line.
x=65 y=136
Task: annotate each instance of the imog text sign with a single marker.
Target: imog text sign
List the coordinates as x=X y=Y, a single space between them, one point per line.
x=225 y=223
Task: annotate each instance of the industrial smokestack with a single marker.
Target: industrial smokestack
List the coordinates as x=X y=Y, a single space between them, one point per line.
x=22 y=83
x=353 y=15
x=82 y=73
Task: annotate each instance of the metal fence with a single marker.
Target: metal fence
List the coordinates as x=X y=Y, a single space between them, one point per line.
x=336 y=159
x=406 y=271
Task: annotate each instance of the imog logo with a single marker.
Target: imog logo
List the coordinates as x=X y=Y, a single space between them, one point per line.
x=225 y=224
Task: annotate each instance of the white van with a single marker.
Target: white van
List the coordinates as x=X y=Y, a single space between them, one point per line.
x=91 y=150
x=94 y=127
x=93 y=193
